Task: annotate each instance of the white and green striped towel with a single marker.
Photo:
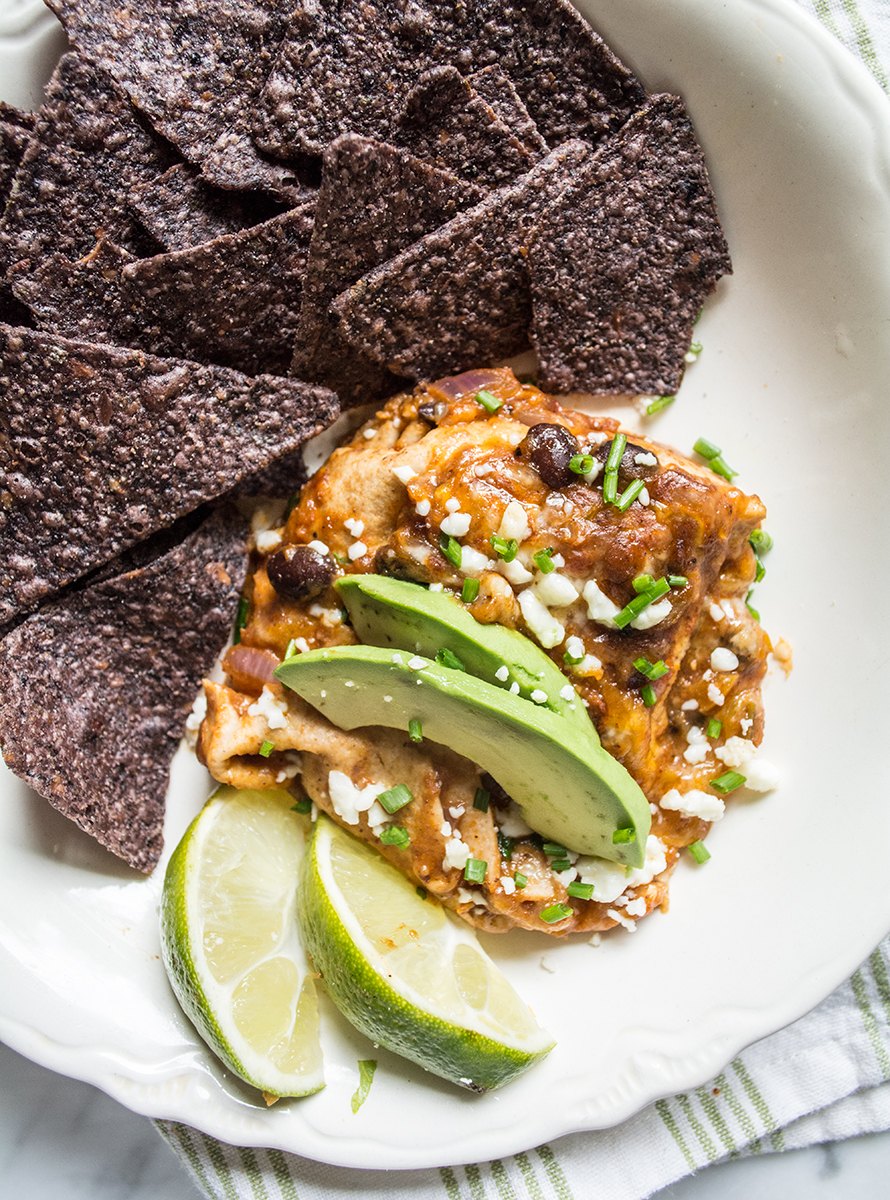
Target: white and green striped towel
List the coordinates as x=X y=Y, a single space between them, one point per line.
x=824 y=1078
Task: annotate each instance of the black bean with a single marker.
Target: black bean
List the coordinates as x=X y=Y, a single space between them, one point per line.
x=550 y=449
x=300 y=572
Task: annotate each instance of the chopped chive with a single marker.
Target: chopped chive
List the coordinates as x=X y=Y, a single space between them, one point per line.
x=630 y=493
x=505 y=548
x=395 y=835
x=240 y=619
x=714 y=728
x=648 y=695
x=706 y=449
x=415 y=729
x=727 y=782
x=366 y=1069
x=678 y=581
x=489 y=402
x=634 y=607
x=482 y=799
x=266 y=749
x=759 y=572
x=474 y=871
x=642 y=583
x=581 y=464
x=559 y=864
x=699 y=851
x=554 y=850
x=750 y=607
x=616 y=452
x=652 y=670
x=581 y=891
x=695 y=348
x=659 y=404
x=572 y=660
x=610 y=487
x=520 y=880
x=303 y=805
x=622 y=837
x=447 y=658
x=720 y=466
x=421 y=891
x=761 y=542
x=395 y=798
x=544 y=561
x=555 y=912
x=451 y=548
x=505 y=845
x=469 y=591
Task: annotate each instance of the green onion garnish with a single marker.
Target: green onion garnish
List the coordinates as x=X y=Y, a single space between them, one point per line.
x=652 y=670
x=482 y=799
x=451 y=548
x=489 y=402
x=714 y=728
x=240 y=619
x=554 y=850
x=642 y=583
x=761 y=542
x=421 y=891
x=572 y=660
x=622 y=837
x=720 y=466
x=634 y=607
x=750 y=607
x=648 y=695
x=559 y=864
x=395 y=798
x=630 y=493
x=447 y=658
x=695 y=348
x=699 y=851
x=659 y=404
x=581 y=464
x=266 y=749
x=303 y=805
x=760 y=571
x=544 y=561
x=610 y=487
x=581 y=891
x=616 y=452
x=678 y=581
x=474 y=871
x=505 y=548
x=706 y=449
x=415 y=729
x=469 y=591
x=520 y=880
x=727 y=782
x=366 y=1069
x=505 y=845
x=395 y=835
x=555 y=912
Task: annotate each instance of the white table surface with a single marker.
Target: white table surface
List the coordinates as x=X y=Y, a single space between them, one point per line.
x=64 y=1140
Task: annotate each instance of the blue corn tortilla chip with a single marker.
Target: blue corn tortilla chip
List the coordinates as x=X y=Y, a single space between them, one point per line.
x=375 y=200
x=179 y=209
x=623 y=259
x=447 y=123
x=232 y=301
x=349 y=67
x=95 y=688
x=68 y=203
x=459 y=297
x=496 y=88
x=194 y=68
x=102 y=446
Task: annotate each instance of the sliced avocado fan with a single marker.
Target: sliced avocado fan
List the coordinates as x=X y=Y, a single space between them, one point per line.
x=570 y=789
x=405 y=616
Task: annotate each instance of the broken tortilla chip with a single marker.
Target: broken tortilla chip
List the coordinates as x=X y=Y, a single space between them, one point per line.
x=101 y=446
x=496 y=88
x=458 y=298
x=375 y=200
x=623 y=260
x=96 y=687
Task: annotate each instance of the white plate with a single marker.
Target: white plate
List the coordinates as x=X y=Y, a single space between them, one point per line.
x=792 y=383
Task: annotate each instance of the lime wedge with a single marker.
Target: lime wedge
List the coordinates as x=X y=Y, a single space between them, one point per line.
x=231 y=945
x=407 y=975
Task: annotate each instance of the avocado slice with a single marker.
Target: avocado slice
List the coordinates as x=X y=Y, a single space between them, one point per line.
x=393 y=613
x=570 y=790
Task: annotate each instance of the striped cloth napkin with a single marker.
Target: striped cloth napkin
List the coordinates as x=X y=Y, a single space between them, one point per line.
x=824 y=1078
